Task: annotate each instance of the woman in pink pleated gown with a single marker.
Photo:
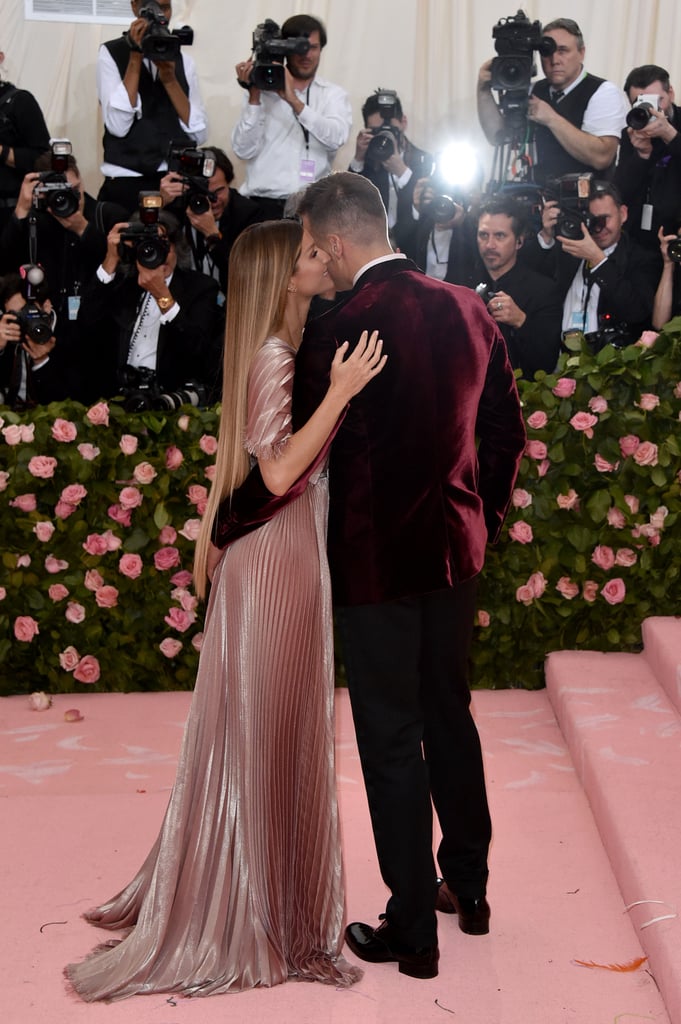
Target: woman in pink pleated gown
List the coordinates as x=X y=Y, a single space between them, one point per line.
x=244 y=885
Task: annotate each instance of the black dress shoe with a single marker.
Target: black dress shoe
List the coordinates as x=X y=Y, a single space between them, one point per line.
x=379 y=946
x=473 y=914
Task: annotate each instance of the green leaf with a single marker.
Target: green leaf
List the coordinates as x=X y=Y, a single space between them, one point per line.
x=597 y=505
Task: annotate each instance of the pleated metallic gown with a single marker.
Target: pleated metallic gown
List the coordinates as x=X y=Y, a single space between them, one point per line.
x=244 y=884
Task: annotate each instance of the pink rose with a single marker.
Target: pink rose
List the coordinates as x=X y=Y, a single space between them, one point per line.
x=119 y=515
x=3 y=593
x=42 y=466
x=128 y=444
x=565 y=387
x=174 y=457
x=88 y=451
x=44 y=531
x=144 y=473
x=566 y=588
x=57 y=592
x=603 y=466
x=616 y=518
x=179 y=619
x=648 y=402
x=27 y=432
x=569 y=500
x=524 y=594
x=64 y=430
x=632 y=502
x=170 y=647
x=130 y=566
x=209 y=472
x=106 y=597
x=25 y=628
x=25 y=502
x=166 y=558
x=658 y=517
x=190 y=530
x=112 y=542
x=677 y=390
x=63 y=510
x=93 y=580
x=603 y=557
x=536 y=450
x=584 y=421
x=74 y=613
x=543 y=467
x=186 y=600
x=69 y=658
x=130 y=497
x=168 y=535
x=537 y=420
x=98 y=415
x=39 y=701
x=483 y=618
x=647 y=339
x=4 y=480
x=87 y=670
x=12 y=434
x=196 y=494
x=590 y=590
x=197 y=641
x=54 y=565
x=614 y=591
x=73 y=494
x=23 y=561
x=183 y=422
x=521 y=532
x=208 y=444
x=519 y=499
x=95 y=544
x=598 y=404
x=625 y=557
x=646 y=454
x=628 y=444
x=537 y=583
x=183 y=578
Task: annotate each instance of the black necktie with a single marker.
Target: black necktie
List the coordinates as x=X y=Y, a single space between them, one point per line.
x=556 y=96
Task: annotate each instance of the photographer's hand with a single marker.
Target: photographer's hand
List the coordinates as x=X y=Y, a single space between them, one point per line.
x=153 y=280
x=205 y=223
x=659 y=127
x=243 y=75
x=584 y=248
x=641 y=143
x=503 y=309
x=38 y=353
x=664 y=245
x=364 y=137
x=549 y=216
x=289 y=94
x=10 y=332
x=25 y=198
x=395 y=164
x=171 y=187
x=113 y=240
x=491 y=121
x=176 y=94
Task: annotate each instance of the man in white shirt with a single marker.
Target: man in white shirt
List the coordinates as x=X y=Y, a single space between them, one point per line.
x=146 y=105
x=289 y=138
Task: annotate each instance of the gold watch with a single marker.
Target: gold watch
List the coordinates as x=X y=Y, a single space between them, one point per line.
x=165 y=302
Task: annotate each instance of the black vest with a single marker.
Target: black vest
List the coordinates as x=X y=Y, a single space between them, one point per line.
x=146 y=144
x=552 y=160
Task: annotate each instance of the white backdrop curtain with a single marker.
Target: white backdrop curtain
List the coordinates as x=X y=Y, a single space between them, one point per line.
x=428 y=50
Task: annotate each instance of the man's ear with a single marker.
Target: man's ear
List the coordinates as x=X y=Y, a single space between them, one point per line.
x=334 y=246
x=624 y=212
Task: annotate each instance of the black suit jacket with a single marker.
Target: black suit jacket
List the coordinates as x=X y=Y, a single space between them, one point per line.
x=189 y=346
x=421 y=165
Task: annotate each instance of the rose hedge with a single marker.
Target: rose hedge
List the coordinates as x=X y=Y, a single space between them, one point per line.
x=100 y=511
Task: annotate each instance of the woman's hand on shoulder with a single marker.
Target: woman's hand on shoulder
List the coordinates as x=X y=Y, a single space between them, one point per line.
x=349 y=376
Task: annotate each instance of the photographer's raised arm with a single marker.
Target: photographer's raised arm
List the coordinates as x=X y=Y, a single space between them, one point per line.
x=491 y=120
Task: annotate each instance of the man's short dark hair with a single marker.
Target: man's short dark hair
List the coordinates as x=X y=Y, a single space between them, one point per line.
x=44 y=163
x=507 y=207
x=600 y=189
x=14 y=284
x=567 y=25
x=303 y=25
x=222 y=161
x=345 y=204
x=641 y=78
x=372 y=106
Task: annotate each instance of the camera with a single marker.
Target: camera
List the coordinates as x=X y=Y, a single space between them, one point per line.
x=574 y=192
x=515 y=40
x=485 y=292
x=141 y=392
x=195 y=167
x=674 y=250
x=36 y=325
x=382 y=145
x=149 y=246
x=158 y=42
x=269 y=50
x=53 y=191
x=191 y=393
x=641 y=113
x=610 y=332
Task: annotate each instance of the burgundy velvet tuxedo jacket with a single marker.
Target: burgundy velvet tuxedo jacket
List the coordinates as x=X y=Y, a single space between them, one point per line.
x=423 y=465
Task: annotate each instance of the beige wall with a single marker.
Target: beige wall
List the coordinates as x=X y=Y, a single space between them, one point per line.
x=429 y=50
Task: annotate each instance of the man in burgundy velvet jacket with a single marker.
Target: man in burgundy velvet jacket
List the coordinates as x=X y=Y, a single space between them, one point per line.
x=421 y=474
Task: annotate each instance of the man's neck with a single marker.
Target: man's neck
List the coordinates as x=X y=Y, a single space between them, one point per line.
x=302 y=84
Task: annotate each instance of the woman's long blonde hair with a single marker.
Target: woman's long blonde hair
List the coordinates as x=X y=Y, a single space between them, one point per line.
x=261 y=263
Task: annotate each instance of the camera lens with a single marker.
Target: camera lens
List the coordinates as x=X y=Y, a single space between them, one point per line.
x=674 y=250
x=152 y=252
x=639 y=117
x=569 y=226
x=63 y=203
x=198 y=203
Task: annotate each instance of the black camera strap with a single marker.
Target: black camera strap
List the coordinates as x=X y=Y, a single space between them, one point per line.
x=305 y=131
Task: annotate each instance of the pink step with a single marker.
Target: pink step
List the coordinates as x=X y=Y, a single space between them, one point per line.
x=662 y=650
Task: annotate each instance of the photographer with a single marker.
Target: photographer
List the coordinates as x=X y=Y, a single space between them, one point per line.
x=385 y=156
x=146 y=318
x=577 y=118
x=146 y=104
x=23 y=137
x=667 y=302
x=31 y=369
x=211 y=232
x=648 y=173
x=607 y=280
x=289 y=137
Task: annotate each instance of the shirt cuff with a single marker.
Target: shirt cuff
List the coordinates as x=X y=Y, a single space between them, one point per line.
x=543 y=243
x=171 y=313
x=405 y=178
x=104 y=276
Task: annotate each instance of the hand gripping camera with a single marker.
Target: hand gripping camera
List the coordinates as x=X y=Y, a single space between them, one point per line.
x=53 y=191
x=36 y=325
x=269 y=50
x=158 y=42
x=196 y=168
x=143 y=241
x=386 y=137
x=642 y=110
x=574 y=193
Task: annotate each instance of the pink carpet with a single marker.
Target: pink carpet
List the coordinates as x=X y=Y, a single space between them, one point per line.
x=81 y=803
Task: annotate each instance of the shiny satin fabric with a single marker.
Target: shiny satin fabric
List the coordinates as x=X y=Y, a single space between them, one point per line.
x=244 y=886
